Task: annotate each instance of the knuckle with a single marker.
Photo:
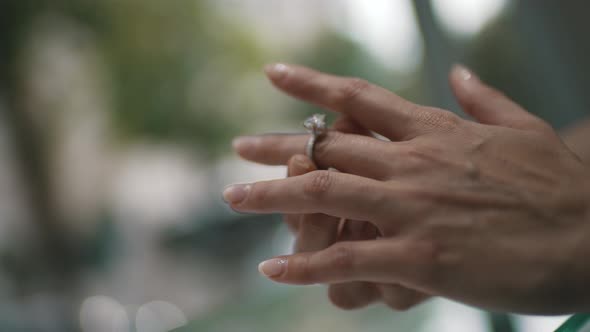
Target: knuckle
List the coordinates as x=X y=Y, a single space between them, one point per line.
x=412 y=153
x=428 y=257
x=342 y=257
x=350 y=89
x=437 y=118
x=413 y=157
x=318 y=183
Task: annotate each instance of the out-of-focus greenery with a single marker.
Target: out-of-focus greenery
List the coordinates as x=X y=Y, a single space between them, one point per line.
x=174 y=69
x=297 y=310
x=171 y=70
x=170 y=66
x=169 y=82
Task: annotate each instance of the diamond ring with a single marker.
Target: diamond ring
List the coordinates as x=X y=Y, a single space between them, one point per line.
x=316 y=126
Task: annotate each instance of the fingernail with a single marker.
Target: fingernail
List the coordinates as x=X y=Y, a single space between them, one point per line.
x=277 y=71
x=464 y=73
x=273 y=267
x=236 y=193
x=243 y=143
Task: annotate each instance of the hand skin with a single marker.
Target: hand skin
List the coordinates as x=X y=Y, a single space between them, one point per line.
x=491 y=213
x=318 y=231
x=577 y=138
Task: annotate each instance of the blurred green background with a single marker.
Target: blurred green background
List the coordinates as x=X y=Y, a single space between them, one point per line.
x=116 y=118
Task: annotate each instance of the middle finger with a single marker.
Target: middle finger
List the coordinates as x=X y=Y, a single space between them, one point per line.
x=313 y=231
x=349 y=153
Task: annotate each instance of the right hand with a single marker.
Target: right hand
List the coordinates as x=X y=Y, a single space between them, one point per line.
x=491 y=213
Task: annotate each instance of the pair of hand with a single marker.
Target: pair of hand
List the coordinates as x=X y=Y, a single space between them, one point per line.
x=491 y=213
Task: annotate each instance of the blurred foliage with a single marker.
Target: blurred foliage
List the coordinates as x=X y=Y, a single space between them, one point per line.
x=534 y=54
x=170 y=67
x=158 y=55
x=173 y=68
x=295 y=309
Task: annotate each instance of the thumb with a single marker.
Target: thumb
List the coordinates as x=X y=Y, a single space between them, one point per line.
x=488 y=105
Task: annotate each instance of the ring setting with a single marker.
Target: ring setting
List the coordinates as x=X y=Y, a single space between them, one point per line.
x=316 y=126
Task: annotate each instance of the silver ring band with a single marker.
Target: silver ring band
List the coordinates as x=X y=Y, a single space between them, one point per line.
x=316 y=126
x=309 y=147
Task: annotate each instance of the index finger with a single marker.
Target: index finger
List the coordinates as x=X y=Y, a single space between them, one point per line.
x=371 y=106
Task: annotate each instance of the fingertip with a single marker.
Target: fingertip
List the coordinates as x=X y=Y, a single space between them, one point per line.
x=464 y=84
x=463 y=80
x=243 y=145
x=462 y=73
x=236 y=193
x=277 y=71
x=273 y=268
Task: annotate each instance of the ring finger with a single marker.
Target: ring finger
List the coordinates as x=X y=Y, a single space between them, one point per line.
x=349 y=153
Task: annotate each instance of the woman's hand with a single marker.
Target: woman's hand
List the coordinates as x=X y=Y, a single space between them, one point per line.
x=492 y=214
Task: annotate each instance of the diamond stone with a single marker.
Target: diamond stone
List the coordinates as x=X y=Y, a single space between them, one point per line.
x=315 y=124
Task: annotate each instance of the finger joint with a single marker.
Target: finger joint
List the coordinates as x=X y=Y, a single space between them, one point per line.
x=342 y=258
x=436 y=118
x=318 y=184
x=350 y=89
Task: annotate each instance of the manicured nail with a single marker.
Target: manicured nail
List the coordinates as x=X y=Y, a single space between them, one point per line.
x=277 y=71
x=244 y=143
x=464 y=73
x=273 y=267
x=236 y=193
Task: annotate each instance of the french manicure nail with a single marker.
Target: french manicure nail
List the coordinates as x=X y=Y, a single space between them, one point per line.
x=464 y=73
x=277 y=71
x=236 y=193
x=273 y=267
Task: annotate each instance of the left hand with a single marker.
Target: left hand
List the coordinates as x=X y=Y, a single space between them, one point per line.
x=492 y=214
